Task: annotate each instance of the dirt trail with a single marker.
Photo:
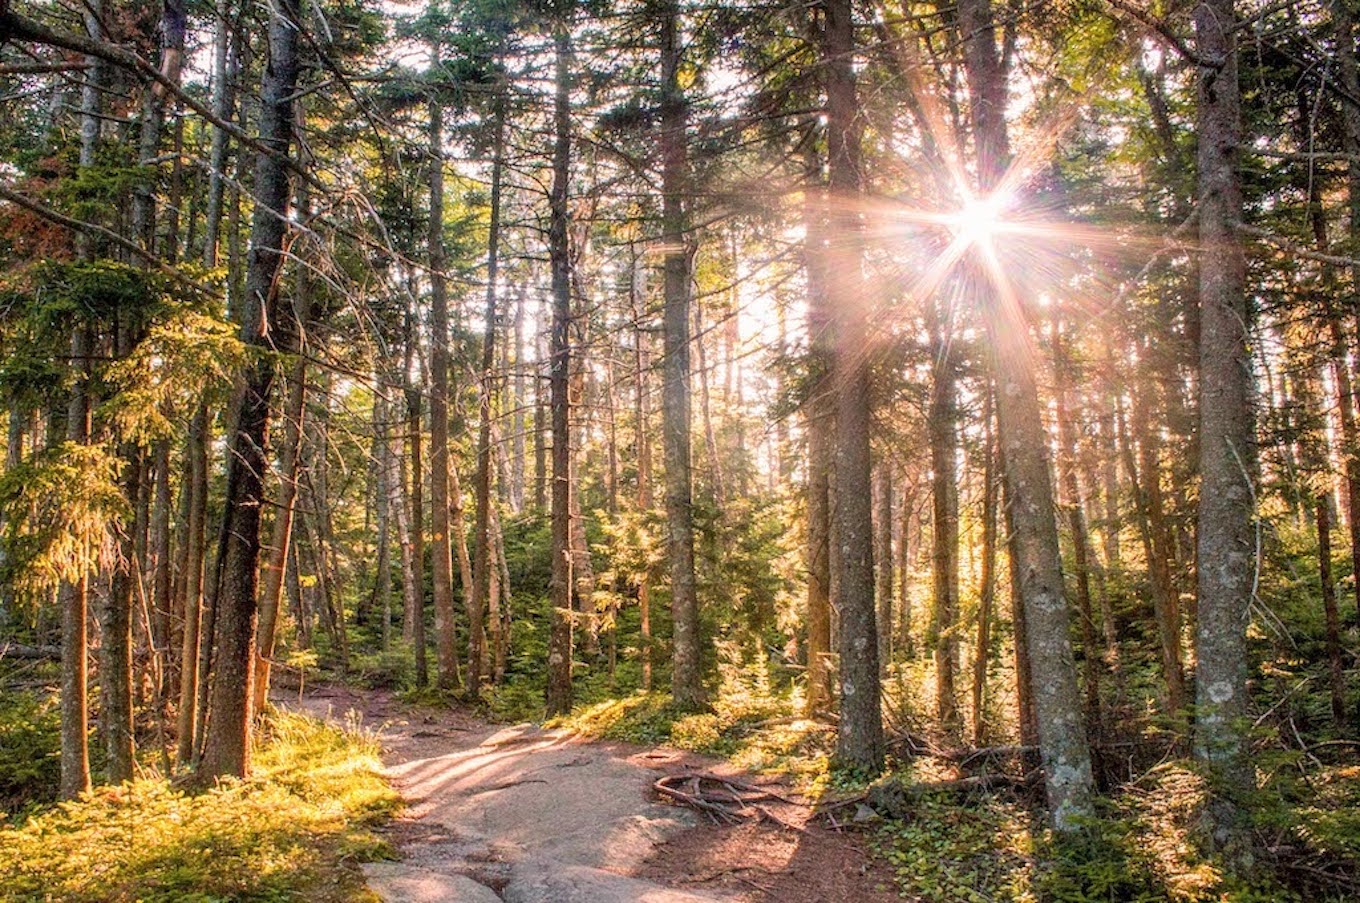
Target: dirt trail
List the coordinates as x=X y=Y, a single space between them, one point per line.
x=523 y=815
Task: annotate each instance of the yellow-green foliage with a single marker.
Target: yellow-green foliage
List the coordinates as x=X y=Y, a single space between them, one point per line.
x=290 y=833
x=755 y=730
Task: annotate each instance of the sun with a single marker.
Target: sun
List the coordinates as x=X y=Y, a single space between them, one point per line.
x=980 y=218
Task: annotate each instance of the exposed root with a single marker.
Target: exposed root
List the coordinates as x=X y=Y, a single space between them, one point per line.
x=725 y=800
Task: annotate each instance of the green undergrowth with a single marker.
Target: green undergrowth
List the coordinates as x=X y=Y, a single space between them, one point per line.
x=29 y=765
x=1145 y=847
x=294 y=831
x=754 y=730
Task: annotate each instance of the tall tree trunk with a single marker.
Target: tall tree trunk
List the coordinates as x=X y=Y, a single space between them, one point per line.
x=383 y=502
x=942 y=426
x=414 y=578
x=446 y=644
x=1062 y=738
x=821 y=431
x=1227 y=502
x=559 y=368
x=686 y=689
x=642 y=436
x=1349 y=70
x=226 y=749
x=280 y=542
x=73 y=597
x=193 y=648
x=482 y=564
x=74 y=600
x=883 y=564
x=859 y=741
x=1076 y=523
x=987 y=589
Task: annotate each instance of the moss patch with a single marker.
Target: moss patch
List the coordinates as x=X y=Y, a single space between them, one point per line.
x=295 y=831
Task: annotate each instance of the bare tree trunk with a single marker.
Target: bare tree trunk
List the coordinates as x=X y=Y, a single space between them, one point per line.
x=1076 y=524
x=414 y=584
x=226 y=749
x=883 y=565
x=193 y=649
x=859 y=740
x=1227 y=503
x=560 y=636
x=1344 y=20
x=821 y=426
x=1062 y=738
x=987 y=591
x=446 y=644
x=74 y=600
x=280 y=543
x=942 y=425
x=686 y=689
x=482 y=564
x=642 y=436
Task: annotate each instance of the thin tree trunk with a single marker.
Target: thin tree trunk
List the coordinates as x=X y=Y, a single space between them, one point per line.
x=1145 y=474
x=1076 y=523
x=942 y=425
x=642 y=436
x=686 y=689
x=821 y=426
x=276 y=564
x=414 y=585
x=446 y=644
x=194 y=647
x=482 y=564
x=883 y=565
x=559 y=690
x=74 y=600
x=987 y=590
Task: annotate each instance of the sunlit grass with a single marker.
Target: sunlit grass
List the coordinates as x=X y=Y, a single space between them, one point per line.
x=292 y=832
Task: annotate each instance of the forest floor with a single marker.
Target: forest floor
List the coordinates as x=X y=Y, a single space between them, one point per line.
x=525 y=815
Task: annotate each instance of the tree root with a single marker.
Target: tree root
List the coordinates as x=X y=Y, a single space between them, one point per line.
x=725 y=800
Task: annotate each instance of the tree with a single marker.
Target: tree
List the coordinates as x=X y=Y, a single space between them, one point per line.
x=1226 y=536
x=1062 y=737
x=559 y=690
x=686 y=688
x=859 y=741
x=226 y=744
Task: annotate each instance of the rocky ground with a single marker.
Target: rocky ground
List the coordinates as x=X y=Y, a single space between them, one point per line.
x=523 y=815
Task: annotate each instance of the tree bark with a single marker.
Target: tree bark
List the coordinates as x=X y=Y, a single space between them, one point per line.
x=942 y=426
x=821 y=430
x=74 y=600
x=1227 y=515
x=226 y=748
x=1038 y=562
x=192 y=648
x=859 y=741
x=686 y=688
x=559 y=690
x=482 y=564
x=280 y=543
x=987 y=590
x=446 y=643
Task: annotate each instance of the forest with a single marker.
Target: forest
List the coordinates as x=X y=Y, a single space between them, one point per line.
x=945 y=405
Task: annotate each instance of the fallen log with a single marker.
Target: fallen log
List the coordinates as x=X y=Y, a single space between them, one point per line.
x=23 y=650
